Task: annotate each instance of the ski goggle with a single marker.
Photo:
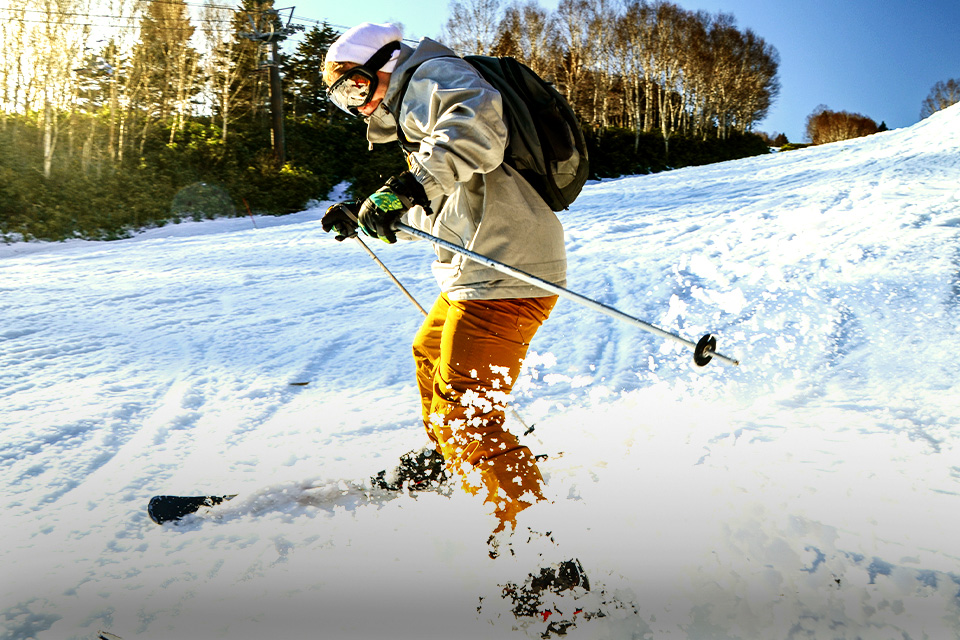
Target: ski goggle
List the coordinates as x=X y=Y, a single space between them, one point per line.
x=353 y=90
x=356 y=87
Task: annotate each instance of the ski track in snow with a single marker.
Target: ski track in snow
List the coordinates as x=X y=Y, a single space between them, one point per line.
x=806 y=494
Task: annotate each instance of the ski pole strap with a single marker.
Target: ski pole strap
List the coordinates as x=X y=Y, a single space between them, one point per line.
x=703 y=351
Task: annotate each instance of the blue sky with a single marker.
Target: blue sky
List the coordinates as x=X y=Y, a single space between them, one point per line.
x=875 y=57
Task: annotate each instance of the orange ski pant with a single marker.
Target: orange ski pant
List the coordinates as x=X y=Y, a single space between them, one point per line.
x=468 y=356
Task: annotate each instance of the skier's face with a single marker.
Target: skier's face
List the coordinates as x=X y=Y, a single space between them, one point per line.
x=378 y=94
x=359 y=91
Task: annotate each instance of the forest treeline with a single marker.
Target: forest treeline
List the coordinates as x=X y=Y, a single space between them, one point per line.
x=636 y=64
x=121 y=114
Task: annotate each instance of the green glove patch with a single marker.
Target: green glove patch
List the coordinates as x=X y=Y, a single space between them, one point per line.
x=386 y=201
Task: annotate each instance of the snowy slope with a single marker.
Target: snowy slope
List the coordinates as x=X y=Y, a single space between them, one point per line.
x=811 y=492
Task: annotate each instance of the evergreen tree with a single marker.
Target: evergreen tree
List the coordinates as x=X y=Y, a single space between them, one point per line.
x=305 y=93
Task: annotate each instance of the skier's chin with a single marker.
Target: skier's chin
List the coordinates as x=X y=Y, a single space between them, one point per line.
x=368 y=109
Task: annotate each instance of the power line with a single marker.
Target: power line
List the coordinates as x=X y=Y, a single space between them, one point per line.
x=65 y=13
x=123 y=17
x=192 y=4
x=339 y=27
x=202 y=20
x=170 y=2
x=120 y=26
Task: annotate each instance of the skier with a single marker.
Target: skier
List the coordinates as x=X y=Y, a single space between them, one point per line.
x=469 y=350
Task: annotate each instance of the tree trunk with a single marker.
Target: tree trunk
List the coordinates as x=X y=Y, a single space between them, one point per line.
x=49 y=138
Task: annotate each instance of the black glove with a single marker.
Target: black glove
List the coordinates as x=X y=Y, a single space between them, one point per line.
x=342 y=218
x=380 y=212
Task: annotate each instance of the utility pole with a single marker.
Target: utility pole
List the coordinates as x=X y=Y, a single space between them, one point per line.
x=276 y=105
x=271 y=35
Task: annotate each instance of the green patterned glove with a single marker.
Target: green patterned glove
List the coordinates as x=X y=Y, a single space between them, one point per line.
x=381 y=211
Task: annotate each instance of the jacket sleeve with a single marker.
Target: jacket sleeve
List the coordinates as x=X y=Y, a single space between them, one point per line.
x=457 y=119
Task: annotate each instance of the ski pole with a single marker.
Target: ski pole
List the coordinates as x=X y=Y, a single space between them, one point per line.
x=390 y=274
x=703 y=351
x=527 y=428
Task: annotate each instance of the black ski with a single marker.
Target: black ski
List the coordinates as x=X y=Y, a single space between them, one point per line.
x=173 y=508
x=421 y=470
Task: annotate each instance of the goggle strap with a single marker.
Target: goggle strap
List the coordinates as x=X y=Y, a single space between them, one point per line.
x=382 y=56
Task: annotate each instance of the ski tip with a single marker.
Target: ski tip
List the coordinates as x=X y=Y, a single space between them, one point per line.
x=163 y=509
x=106 y=635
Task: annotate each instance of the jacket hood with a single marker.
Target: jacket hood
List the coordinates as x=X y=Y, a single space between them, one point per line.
x=427 y=49
x=382 y=125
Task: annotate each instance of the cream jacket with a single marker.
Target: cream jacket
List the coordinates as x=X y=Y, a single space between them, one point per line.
x=456 y=135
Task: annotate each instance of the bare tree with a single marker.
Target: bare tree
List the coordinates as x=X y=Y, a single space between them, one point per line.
x=573 y=30
x=668 y=44
x=58 y=47
x=626 y=63
x=698 y=72
x=757 y=83
x=116 y=56
x=603 y=22
x=229 y=62
x=12 y=33
x=824 y=125
x=472 y=26
x=647 y=60
x=942 y=95
x=692 y=55
x=528 y=33
x=725 y=43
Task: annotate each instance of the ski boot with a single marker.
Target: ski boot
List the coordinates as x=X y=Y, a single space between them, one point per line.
x=550 y=596
x=422 y=470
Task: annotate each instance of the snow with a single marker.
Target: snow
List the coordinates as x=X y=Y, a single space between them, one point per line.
x=809 y=493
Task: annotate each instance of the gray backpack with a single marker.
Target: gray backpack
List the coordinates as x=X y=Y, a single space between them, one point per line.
x=546 y=143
